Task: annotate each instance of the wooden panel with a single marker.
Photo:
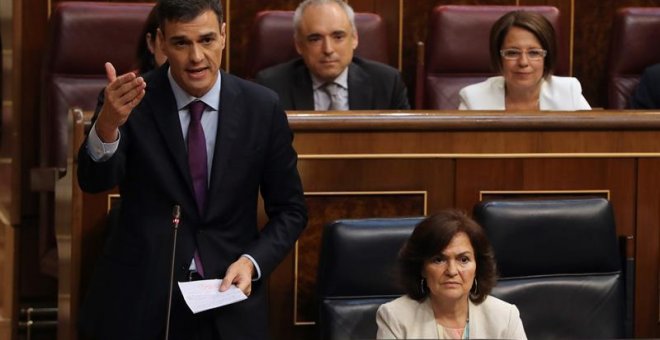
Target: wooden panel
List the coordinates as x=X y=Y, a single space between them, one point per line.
x=390 y=12
x=647 y=256
x=31 y=286
x=488 y=195
x=8 y=280
x=613 y=176
x=37 y=257
x=10 y=192
x=591 y=47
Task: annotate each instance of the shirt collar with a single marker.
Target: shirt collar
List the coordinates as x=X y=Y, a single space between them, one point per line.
x=341 y=80
x=210 y=98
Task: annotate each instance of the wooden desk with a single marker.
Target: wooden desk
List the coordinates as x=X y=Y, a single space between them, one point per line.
x=367 y=164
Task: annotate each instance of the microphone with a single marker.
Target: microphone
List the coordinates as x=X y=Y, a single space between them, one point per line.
x=176 y=215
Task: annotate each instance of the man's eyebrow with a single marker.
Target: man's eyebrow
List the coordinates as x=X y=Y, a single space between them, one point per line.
x=209 y=35
x=178 y=38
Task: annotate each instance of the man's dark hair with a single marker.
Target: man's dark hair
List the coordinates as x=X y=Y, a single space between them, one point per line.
x=187 y=10
x=146 y=60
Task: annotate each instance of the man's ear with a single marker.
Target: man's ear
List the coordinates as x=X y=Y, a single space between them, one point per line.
x=150 y=43
x=223 y=34
x=161 y=39
x=297 y=43
x=355 y=39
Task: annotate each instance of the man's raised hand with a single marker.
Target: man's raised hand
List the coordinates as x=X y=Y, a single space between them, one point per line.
x=122 y=95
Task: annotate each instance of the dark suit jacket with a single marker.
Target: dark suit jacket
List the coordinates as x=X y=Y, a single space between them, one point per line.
x=647 y=93
x=127 y=297
x=371 y=85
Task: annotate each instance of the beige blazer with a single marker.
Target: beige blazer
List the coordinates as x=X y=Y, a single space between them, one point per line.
x=557 y=94
x=405 y=318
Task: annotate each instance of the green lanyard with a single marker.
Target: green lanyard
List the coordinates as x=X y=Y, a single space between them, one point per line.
x=466 y=331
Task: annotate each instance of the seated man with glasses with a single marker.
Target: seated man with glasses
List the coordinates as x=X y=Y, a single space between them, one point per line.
x=523 y=51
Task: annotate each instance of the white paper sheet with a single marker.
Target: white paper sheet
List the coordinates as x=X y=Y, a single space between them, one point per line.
x=204 y=294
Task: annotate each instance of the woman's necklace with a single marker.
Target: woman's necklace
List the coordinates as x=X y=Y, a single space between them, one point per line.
x=524 y=105
x=454 y=333
x=511 y=106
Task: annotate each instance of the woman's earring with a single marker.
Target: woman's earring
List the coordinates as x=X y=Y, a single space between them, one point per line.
x=475 y=289
x=422 y=283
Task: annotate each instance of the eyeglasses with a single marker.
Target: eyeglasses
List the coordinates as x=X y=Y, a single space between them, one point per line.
x=514 y=53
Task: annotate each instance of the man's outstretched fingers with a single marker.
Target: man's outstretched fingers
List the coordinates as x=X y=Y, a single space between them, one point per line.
x=131 y=90
x=110 y=72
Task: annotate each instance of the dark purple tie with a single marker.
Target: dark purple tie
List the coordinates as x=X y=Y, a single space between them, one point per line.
x=197 y=154
x=197 y=163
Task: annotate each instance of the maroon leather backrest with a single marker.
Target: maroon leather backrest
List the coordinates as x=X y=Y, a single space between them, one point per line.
x=634 y=46
x=82 y=37
x=271 y=39
x=457 y=51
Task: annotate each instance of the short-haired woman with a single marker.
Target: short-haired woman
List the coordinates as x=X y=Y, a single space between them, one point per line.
x=447 y=270
x=523 y=50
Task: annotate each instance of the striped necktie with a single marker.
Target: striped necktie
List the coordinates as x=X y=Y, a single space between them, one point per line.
x=332 y=90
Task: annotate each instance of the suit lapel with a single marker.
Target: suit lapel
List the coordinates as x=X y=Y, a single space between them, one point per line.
x=228 y=125
x=166 y=116
x=303 y=93
x=360 y=94
x=497 y=97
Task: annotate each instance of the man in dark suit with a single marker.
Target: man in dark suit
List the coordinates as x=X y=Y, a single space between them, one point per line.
x=647 y=93
x=146 y=139
x=328 y=76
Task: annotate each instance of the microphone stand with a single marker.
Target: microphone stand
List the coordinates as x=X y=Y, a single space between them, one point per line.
x=176 y=214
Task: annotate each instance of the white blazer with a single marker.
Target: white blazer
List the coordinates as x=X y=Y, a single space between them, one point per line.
x=557 y=94
x=405 y=318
